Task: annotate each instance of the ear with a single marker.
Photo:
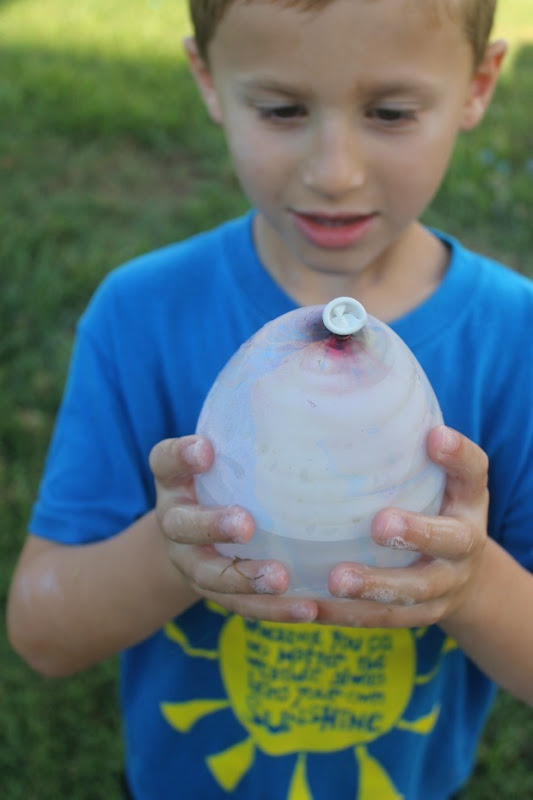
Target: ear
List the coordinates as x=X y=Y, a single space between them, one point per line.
x=202 y=75
x=482 y=85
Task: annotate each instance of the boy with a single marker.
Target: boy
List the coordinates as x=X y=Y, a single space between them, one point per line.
x=340 y=117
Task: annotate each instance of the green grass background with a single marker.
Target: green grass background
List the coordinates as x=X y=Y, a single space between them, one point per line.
x=105 y=152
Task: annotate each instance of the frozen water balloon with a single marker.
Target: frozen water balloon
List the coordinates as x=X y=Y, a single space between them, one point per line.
x=319 y=421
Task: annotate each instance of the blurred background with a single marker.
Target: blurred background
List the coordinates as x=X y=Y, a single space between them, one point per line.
x=106 y=152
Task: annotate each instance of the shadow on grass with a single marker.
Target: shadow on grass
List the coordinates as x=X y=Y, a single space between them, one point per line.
x=91 y=97
x=101 y=159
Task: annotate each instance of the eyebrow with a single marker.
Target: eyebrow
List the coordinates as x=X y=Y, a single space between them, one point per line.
x=422 y=90
x=272 y=86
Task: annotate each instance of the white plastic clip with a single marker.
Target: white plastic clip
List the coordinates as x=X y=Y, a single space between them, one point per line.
x=344 y=316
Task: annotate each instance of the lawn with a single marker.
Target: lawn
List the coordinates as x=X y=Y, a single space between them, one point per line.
x=105 y=152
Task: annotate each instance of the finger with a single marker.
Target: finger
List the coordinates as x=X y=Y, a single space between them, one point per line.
x=443 y=537
x=465 y=463
x=370 y=614
x=175 y=460
x=246 y=587
x=268 y=608
x=192 y=524
x=208 y=571
x=427 y=580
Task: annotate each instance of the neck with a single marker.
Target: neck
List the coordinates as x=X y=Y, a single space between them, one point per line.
x=407 y=273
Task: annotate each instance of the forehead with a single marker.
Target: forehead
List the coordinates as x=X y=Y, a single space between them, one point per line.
x=434 y=6
x=381 y=15
x=434 y=12
x=350 y=41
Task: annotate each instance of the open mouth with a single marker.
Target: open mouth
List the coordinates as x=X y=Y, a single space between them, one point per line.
x=333 y=222
x=333 y=230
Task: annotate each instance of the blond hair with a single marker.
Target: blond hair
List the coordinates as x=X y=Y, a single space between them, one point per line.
x=477 y=17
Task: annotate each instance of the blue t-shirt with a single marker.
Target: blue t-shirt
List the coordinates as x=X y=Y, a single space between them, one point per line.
x=217 y=706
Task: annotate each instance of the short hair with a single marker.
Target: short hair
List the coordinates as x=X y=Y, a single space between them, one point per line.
x=477 y=15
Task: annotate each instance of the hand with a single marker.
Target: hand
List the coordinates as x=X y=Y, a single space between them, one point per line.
x=247 y=587
x=441 y=582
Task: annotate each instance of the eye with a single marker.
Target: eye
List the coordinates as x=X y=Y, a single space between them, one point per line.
x=390 y=115
x=282 y=113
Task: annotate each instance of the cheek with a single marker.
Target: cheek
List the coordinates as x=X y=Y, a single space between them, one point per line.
x=260 y=167
x=421 y=168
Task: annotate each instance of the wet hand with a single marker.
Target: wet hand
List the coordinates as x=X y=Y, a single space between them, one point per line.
x=439 y=584
x=247 y=587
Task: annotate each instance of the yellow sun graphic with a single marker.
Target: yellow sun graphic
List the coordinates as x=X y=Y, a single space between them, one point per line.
x=304 y=689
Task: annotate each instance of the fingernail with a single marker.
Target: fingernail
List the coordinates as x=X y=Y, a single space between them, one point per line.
x=303 y=612
x=450 y=441
x=197 y=454
x=231 y=524
x=270 y=580
x=192 y=452
x=349 y=584
x=394 y=530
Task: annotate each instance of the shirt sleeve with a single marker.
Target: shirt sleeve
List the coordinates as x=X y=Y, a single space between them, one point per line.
x=96 y=479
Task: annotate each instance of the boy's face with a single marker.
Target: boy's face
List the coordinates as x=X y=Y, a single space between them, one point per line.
x=340 y=123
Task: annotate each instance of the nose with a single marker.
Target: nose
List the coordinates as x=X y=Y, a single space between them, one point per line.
x=334 y=163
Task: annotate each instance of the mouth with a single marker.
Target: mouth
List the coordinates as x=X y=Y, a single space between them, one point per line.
x=333 y=231
x=332 y=220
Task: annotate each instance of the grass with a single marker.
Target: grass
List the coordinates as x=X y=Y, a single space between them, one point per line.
x=105 y=152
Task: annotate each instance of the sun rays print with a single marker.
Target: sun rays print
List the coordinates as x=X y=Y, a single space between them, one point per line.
x=302 y=691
